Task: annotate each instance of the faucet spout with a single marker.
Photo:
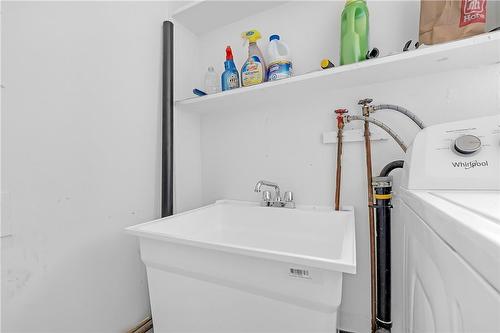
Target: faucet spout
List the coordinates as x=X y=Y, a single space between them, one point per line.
x=277 y=201
x=261 y=183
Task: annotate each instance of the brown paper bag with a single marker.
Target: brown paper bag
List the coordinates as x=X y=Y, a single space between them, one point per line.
x=446 y=20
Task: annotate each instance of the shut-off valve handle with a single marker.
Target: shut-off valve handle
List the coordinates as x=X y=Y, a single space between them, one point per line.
x=340 y=117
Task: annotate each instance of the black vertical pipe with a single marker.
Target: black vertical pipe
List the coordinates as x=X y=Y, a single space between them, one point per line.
x=382 y=186
x=383 y=189
x=167 y=168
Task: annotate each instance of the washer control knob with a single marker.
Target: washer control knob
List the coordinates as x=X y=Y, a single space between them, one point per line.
x=467 y=144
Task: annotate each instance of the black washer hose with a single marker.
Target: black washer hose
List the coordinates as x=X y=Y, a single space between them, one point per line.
x=391 y=166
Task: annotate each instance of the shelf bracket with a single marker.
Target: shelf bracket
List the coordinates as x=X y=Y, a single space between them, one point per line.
x=355 y=135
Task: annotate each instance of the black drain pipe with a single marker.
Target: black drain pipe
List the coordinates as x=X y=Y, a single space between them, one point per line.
x=167 y=146
x=391 y=166
x=382 y=187
x=167 y=149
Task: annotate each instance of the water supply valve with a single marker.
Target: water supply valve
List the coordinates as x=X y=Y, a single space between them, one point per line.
x=365 y=106
x=340 y=117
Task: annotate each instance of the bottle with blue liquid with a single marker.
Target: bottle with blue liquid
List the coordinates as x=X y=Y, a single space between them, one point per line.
x=230 y=78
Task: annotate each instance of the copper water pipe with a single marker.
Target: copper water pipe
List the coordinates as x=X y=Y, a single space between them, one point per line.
x=143 y=326
x=338 y=178
x=371 y=218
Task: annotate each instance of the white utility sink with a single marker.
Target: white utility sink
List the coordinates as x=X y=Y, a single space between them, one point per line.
x=235 y=266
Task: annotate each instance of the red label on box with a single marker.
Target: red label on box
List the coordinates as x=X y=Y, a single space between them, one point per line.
x=472 y=11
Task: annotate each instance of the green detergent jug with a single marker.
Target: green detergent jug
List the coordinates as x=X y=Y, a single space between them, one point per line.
x=354 y=32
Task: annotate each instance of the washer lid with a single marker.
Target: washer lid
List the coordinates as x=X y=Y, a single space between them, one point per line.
x=485 y=203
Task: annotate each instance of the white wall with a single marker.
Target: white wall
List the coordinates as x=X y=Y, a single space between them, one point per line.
x=282 y=142
x=80 y=145
x=492 y=14
x=81 y=117
x=2 y=230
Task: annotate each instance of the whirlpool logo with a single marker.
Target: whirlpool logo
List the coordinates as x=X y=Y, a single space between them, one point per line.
x=469 y=164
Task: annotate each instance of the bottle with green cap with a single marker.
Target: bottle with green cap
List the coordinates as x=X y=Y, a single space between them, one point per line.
x=354 y=32
x=254 y=69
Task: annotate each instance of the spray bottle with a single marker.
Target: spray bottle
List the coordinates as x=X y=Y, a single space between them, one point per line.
x=254 y=69
x=230 y=79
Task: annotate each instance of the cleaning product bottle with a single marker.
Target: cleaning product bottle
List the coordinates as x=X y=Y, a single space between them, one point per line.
x=254 y=69
x=354 y=32
x=211 y=81
x=230 y=78
x=280 y=62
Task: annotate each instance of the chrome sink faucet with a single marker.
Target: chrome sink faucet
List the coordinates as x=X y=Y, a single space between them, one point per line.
x=277 y=201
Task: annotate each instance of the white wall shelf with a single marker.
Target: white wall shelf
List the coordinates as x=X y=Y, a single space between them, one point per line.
x=478 y=51
x=207 y=15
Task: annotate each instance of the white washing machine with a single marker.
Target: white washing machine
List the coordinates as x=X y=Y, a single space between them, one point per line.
x=448 y=211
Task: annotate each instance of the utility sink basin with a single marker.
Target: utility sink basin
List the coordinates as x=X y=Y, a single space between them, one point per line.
x=236 y=266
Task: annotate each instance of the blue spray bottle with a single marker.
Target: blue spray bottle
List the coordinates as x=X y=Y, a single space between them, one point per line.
x=230 y=78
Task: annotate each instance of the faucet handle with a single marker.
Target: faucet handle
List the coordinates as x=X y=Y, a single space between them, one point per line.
x=288 y=196
x=266 y=196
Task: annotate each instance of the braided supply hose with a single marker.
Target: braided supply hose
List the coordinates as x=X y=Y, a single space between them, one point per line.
x=402 y=110
x=397 y=138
